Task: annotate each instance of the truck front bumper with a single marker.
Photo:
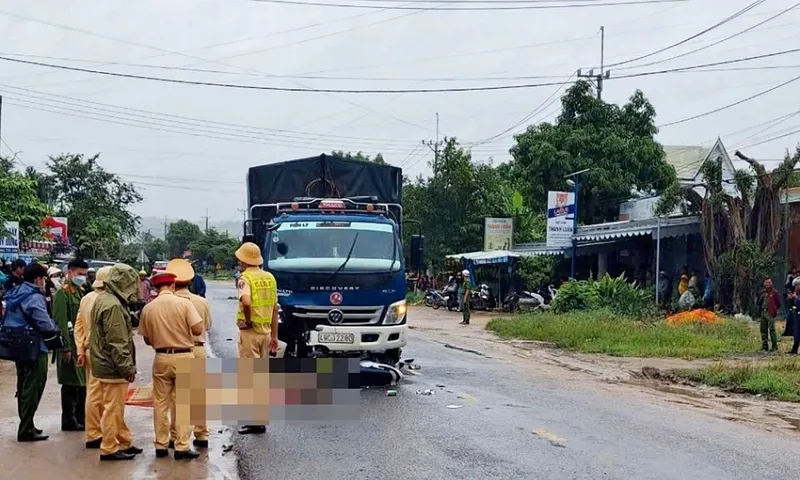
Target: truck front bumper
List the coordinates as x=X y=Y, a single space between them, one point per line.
x=364 y=338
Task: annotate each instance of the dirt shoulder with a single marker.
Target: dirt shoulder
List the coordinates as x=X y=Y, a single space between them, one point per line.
x=648 y=375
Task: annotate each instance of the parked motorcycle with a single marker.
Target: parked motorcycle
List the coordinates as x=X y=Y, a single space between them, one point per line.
x=483 y=298
x=525 y=300
x=450 y=293
x=435 y=299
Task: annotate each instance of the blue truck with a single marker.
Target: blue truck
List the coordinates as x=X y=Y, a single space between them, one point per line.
x=330 y=231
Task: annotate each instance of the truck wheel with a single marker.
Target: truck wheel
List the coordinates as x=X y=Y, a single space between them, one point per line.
x=393 y=356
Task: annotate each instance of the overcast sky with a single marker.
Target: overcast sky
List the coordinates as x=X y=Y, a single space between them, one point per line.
x=187 y=165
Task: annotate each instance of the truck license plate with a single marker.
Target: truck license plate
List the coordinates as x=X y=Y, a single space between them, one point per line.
x=336 y=338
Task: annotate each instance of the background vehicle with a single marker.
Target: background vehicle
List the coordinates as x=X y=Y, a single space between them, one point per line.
x=435 y=299
x=330 y=232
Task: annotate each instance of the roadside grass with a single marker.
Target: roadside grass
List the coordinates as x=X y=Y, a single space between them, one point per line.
x=776 y=380
x=415 y=298
x=601 y=331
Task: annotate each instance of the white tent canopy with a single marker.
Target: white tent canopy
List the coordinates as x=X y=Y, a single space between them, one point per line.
x=485 y=258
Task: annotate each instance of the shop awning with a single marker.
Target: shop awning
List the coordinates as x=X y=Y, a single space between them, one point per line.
x=537 y=250
x=670 y=227
x=486 y=258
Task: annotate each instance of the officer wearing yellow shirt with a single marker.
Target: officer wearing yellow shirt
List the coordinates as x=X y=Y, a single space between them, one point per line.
x=184 y=274
x=258 y=306
x=169 y=324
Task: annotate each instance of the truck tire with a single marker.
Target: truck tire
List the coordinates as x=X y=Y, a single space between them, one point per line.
x=393 y=356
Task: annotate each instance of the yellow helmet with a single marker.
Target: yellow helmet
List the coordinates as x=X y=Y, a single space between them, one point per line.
x=250 y=254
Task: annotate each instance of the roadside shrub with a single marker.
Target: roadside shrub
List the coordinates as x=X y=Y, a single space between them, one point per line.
x=614 y=294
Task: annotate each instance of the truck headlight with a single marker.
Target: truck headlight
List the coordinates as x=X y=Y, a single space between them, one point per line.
x=396 y=313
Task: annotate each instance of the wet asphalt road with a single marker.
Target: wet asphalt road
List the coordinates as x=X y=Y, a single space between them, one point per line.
x=511 y=425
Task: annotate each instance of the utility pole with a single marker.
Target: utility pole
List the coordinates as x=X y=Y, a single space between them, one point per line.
x=206 y=217
x=165 y=229
x=597 y=80
x=434 y=145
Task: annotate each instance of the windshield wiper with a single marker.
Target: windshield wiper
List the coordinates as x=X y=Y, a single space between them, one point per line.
x=349 y=254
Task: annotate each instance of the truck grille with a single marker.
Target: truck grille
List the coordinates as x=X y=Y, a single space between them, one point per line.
x=352 y=315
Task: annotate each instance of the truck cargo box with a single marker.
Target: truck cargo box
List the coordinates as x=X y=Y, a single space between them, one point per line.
x=323 y=176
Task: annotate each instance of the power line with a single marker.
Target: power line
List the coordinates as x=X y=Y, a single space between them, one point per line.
x=729 y=37
x=180 y=119
x=492 y=8
x=367 y=91
x=690 y=38
x=730 y=105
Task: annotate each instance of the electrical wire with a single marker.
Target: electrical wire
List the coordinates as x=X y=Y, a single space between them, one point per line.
x=487 y=8
x=186 y=120
x=731 y=105
x=370 y=91
x=690 y=38
x=705 y=47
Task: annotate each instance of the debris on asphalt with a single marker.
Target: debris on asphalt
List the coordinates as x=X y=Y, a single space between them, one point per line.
x=453 y=407
x=554 y=440
x=226 y=447
x=391 y=392
x=228 y=339
x=427 y=391
x=439 y=385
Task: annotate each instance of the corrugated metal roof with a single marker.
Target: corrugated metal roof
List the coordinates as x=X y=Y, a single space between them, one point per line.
x=687 y=159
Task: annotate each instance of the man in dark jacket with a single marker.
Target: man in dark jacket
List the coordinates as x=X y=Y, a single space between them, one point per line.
x=769 y=303
x=17 y=269
x=25 y=306
x=198 y=285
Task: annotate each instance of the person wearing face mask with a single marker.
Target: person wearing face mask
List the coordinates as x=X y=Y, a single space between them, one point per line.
x=26 y=314
x=71 y=377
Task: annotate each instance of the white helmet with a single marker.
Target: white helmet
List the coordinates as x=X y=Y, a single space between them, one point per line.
x=465 y=273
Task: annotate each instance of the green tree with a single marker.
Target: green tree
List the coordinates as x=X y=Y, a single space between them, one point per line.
x=19 y=201
x=215 y=248
x=180 y=235
x=453 y=203
x=360 y=156
x=616 y=143
x=96 y=202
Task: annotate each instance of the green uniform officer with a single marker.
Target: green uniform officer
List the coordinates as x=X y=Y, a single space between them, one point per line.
x=466 y=292
x=71 y=377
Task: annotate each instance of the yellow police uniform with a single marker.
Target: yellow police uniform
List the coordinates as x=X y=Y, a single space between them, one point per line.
x=254 y=338
x=166 y=323
x=184 y=273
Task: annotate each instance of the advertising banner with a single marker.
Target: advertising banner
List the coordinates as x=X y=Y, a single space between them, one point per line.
x=498 y=234
x=9 y=241
x=56 y=229
x=560 y=218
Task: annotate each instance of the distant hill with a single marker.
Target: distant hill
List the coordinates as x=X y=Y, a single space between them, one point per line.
x=156 y=226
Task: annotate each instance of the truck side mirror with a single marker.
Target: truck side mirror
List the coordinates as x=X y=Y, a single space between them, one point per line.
x=282 y=248
x=417 y=252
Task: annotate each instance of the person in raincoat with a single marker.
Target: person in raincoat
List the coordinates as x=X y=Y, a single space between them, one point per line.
x=113 y=358
x=71 y=377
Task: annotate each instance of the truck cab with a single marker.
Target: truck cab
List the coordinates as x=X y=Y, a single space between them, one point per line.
x=340 y=272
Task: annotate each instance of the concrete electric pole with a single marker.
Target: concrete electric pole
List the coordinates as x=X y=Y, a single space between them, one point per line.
x=434 y=145
x=597 y=80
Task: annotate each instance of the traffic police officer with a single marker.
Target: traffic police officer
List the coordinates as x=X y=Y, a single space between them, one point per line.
x=83 y=333
x=169 y=324
x=184 y=274
x=258 y=306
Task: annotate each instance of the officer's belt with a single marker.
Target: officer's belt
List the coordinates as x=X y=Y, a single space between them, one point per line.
x=173 y=350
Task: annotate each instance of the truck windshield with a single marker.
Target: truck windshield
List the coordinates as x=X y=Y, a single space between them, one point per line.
x=323 y=247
